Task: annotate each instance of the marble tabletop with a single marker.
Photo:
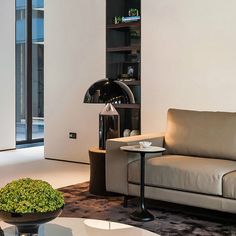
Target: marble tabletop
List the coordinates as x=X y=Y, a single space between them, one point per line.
x=66 y=226
x=137 y=148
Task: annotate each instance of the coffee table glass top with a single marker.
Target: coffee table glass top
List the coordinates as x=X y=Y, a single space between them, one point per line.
x=65 y=226
x=137 y=148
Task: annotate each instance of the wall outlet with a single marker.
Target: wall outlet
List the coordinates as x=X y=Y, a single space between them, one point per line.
x=72 y=135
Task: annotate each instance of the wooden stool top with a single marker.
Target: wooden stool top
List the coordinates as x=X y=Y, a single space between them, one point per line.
x=97 y=150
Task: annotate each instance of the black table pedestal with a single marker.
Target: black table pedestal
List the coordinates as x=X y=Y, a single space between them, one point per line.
x=141 y=213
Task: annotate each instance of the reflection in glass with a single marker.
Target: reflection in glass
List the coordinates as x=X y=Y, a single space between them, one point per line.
x=67 y=226
x=107 y=225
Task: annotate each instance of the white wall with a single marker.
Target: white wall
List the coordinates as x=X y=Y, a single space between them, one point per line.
x=74 y=59
x=188 y=57
x=7 y=74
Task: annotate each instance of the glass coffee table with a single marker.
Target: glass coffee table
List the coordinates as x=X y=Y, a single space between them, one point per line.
x=65 y=226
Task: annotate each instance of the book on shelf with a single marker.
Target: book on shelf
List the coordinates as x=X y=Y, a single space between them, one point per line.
x=130 y=18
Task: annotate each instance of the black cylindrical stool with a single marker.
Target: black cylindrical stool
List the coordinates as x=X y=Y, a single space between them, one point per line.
x=97 y=171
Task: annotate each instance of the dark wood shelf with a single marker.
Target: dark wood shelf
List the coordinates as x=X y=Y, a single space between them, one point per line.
x=127 y=106
x=124 y=49
x=131 y=82
x=122 y=26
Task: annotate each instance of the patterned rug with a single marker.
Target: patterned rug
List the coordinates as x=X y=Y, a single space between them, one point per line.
x=169 y=219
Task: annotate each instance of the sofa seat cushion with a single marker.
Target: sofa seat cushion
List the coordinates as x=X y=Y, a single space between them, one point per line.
x=186 y=173
x=229 y=185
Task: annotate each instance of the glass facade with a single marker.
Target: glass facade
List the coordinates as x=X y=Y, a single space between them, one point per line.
x=21 y=88
x=37 y=69
x=33 y=122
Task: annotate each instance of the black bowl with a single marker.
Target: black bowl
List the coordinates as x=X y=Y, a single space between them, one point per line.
x=29 y=223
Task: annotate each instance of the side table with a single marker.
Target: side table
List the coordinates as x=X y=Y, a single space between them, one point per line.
x=97 y=183
x=141 y=213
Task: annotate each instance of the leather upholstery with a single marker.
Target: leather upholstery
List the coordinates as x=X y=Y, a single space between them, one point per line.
x=229 y=185
x=201 y=133
x=191 y=174
x=186 y=198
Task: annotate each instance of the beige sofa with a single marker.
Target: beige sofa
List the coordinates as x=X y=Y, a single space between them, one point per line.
x=198 y=168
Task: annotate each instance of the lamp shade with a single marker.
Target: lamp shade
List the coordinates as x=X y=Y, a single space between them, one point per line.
x=109 y=91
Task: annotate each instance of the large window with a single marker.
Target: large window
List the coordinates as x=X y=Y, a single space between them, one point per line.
x=29 y=70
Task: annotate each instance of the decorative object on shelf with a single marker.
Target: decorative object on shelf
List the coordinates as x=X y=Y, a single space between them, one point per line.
x=133 y=12
x=27 y=203
x=130 y=71
x=134 y=132
x=126 y=19
x=145 y=144
x=117 y=20
x=133 y=15
x=126 y=132
x=135 y=35
x=109 y=125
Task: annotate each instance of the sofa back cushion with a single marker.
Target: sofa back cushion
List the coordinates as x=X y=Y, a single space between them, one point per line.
x=201 y=133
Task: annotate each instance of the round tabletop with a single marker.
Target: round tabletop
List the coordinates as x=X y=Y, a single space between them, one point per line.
x=137 y=148
x=65 y=226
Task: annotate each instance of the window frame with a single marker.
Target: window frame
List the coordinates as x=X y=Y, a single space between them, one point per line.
x=29 y=76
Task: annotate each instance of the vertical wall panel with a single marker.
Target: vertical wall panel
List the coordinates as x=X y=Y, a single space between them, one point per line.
x=74 y=59
x=188 y=58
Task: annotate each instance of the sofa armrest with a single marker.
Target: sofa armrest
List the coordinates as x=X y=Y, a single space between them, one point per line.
x=118 y=160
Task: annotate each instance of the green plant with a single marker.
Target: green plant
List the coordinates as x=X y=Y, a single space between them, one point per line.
x=133 y=12
x=28 y=196
x=117 y=19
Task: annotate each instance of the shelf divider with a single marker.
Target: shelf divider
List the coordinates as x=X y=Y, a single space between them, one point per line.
x=124 y=48
x=127 y=106
x=134 y=24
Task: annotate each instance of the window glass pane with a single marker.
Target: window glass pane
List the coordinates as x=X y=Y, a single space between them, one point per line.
x=20 y=70
x=38 y=3
x=20 y=4
x=37 y=69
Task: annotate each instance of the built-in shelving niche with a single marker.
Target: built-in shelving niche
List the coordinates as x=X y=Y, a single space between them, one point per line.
x=123 y=51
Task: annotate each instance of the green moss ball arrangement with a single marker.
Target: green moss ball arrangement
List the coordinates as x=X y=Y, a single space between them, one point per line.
x=29 y=196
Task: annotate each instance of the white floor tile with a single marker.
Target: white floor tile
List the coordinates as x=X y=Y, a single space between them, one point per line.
x=30 y=162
